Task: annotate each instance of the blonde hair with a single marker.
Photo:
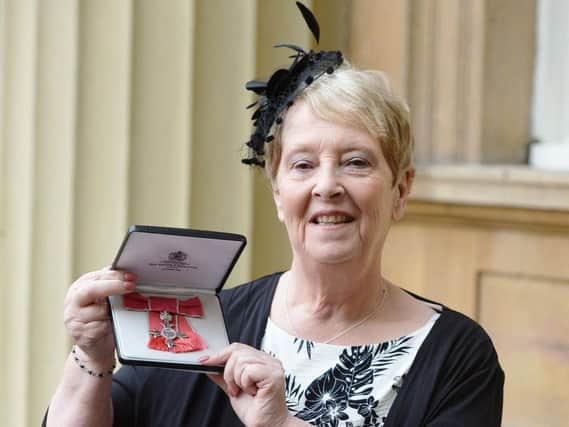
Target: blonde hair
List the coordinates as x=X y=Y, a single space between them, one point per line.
x=362 y=98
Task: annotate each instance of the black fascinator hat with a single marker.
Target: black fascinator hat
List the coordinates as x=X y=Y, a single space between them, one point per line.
x=283 y=86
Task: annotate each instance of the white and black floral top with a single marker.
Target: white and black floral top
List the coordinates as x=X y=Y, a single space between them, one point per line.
x=334 y=385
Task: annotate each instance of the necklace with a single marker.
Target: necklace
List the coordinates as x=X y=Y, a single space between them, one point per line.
x=360 y=322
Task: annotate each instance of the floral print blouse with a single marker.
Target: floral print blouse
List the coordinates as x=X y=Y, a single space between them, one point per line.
x=347 y=386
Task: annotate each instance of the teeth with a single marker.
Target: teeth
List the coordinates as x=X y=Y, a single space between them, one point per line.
x=331 y=219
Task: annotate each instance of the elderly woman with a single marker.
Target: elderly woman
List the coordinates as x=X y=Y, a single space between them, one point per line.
x=330 y=341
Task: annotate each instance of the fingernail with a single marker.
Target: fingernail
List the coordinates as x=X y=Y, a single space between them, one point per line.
x=130 y=276
x=129 y=285
x=203 y=359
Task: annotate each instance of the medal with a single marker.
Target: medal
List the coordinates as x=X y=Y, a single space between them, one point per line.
x=168 y=327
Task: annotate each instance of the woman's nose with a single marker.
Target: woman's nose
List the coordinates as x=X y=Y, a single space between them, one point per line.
x=327 y=184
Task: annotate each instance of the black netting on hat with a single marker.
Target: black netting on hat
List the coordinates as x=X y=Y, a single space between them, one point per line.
x=283 y=86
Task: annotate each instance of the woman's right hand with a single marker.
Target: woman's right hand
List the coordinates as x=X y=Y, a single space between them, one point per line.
x=86 y=312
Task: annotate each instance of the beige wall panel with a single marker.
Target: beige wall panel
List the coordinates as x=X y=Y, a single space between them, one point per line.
x=18 y=136
x=445 y=83
x=52 y=252
x=224 y=61
x=472 y=71
x=421 y=77
x=271 y=247
x=334 y=19
x=530 y=252
x=278 y=22
x=509 y=53
x=160 y=166
x=379 y=38
x=446 y=79
x=2 y=112
x=475 y=190
x=438 y=261
x=507 y=218
x=528 y=320
x=471 y=80
x=103 y=131
x=402 y=260
x=2 y=170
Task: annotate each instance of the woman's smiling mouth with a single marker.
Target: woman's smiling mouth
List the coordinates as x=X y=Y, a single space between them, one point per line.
x=331 y=219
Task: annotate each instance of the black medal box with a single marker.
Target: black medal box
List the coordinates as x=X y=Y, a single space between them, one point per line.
x=174 y=317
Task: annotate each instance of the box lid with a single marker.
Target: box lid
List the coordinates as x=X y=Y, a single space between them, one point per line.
x=177 y=259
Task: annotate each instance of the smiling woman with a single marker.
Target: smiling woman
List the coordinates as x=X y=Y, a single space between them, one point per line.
x=333 y=189
x=331 y=341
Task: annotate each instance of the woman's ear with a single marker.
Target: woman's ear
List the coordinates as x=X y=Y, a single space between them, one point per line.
x=278 y=205
x=401 y=193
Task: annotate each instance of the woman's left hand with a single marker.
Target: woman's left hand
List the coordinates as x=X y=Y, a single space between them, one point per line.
x=254 y=382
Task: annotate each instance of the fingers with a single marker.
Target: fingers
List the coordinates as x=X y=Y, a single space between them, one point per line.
x=218 y=379
x=100 y=289
x=239 y=374
x=249 y=375
x=96 y=286
x=245 y=369
x=219 y=358
x=229 y=375
x=94 y=312
x=86 y=311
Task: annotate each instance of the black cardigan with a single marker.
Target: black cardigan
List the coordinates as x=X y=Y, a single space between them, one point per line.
x=455 y=380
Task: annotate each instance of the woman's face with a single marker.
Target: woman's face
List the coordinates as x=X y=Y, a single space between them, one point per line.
x=333 y=189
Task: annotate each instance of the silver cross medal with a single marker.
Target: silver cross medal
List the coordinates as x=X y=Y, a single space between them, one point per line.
x=167 y=331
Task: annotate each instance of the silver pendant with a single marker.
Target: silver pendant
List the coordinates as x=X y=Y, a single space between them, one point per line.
x=167 y=331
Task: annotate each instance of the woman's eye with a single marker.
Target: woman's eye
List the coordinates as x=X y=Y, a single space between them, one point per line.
x=357 y=162
x=301 y=165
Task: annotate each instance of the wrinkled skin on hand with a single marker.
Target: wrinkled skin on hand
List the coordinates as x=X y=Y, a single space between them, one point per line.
x=254 y=382
x=86 y=311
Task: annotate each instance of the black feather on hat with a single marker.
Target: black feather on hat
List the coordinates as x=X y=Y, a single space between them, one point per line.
x=283 y=86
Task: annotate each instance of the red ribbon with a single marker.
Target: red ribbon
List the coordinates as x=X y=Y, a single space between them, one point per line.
x=189 y=307
x=156 y=305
